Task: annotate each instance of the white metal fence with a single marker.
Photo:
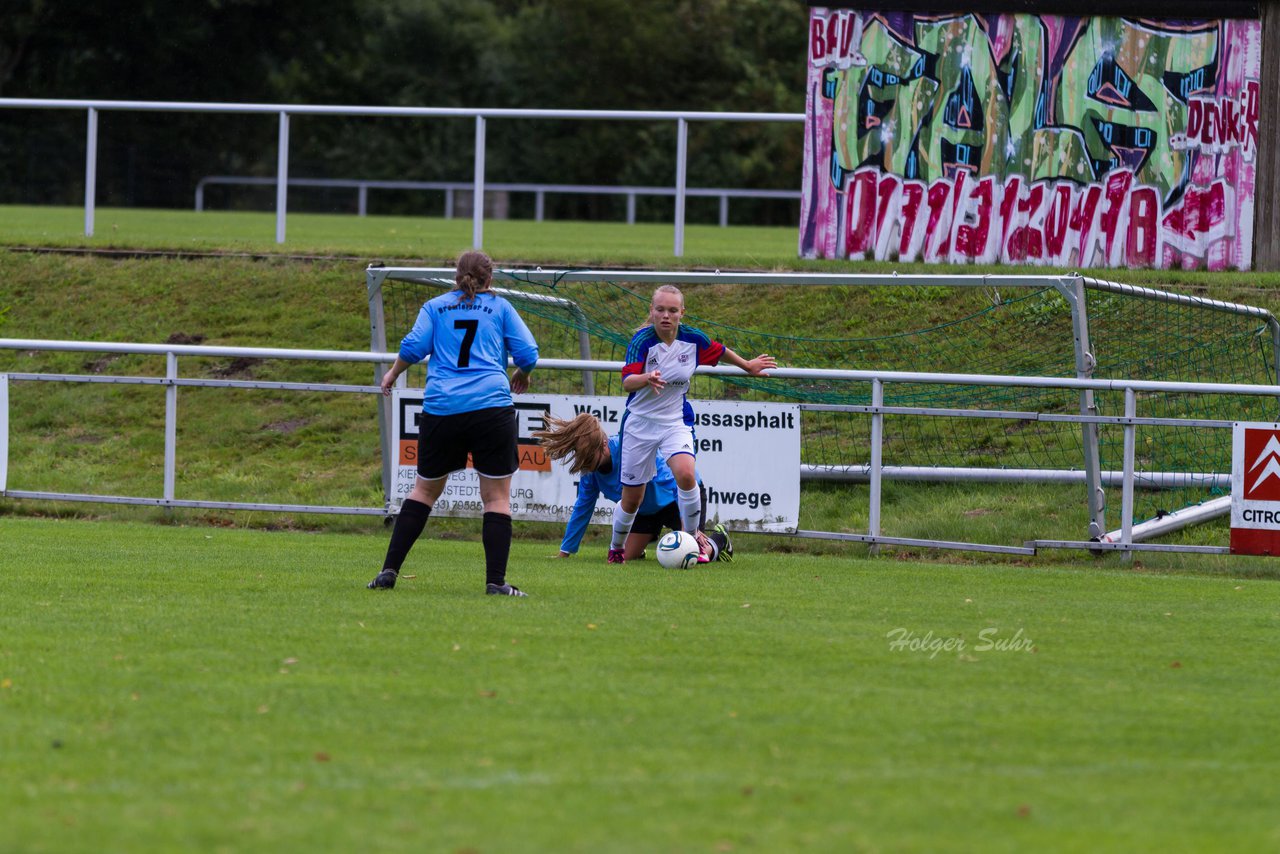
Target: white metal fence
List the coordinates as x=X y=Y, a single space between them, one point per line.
x=876 y=411
x=362 y=186
x=480 y=116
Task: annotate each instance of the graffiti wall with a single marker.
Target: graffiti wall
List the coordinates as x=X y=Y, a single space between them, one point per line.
x=1030 y=139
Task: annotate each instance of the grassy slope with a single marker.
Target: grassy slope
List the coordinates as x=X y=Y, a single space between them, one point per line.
x=258 y=445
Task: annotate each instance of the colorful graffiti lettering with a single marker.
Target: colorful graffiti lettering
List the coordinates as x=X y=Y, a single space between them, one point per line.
x=1030 y=139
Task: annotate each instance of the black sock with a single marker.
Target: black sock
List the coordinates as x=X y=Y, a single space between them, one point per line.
x=718 y=538
x=496 y=534
x=409 y=525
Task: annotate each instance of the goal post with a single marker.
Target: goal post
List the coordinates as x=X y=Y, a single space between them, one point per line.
x=1016 y=325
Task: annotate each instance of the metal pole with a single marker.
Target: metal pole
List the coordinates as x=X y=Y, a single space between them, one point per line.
x=682 y=152
x=170 y=425
x=4 y=432
x=362 y=203
x=374 y=280
x=1126 y=490
x=90 y=171
x=1275 y=347
x=877 y=463
x=448 y=204
x=539 y=202
x=282 y=176
x=631 y=208
x=200 y=196
x=1072 y=290
x=477 y=189
x=724 y=211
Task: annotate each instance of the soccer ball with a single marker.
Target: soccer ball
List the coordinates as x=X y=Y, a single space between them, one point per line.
x=678 y=550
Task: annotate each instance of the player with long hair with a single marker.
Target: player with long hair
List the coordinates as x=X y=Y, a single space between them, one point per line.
x=466 y=409
x=582 y=444
x=658 y=422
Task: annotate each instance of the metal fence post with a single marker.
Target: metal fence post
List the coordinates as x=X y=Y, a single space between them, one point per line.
x=876 y=463
x=282 y=176
x=4 y=432
x=170 y=426
x=374 y=279
x=682 y=152
x=477 y=189
x=90 y=171
x=1126 y=489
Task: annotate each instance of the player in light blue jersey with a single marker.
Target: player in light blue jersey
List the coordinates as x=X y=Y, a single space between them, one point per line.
x=581 y=443
x=468 y=334
x=658 y=423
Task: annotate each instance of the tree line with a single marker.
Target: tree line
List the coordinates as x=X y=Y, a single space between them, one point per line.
x=717 y=55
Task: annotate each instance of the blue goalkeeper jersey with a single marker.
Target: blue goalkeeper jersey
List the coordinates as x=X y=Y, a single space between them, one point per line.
x=658 y=493
x=468 y=343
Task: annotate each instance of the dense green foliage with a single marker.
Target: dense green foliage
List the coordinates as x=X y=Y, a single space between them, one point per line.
x=745 y=55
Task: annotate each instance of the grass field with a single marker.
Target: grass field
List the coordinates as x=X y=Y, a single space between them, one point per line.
x=373 y=237
x=173 y=689
x=187 y=681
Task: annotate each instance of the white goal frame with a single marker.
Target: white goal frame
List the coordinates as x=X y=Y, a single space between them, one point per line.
x=1071 y=286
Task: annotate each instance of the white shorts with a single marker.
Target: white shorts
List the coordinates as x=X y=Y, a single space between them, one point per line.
x=644 y=441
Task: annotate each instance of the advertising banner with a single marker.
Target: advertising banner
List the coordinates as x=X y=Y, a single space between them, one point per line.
x=748 y=459
x=1255 y=489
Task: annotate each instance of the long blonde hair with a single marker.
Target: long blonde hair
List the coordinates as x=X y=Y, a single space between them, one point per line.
x=475 y=272
x=580 y=441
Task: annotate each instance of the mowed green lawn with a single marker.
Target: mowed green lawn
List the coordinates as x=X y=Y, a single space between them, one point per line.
x=190 y=688
x=392 y=237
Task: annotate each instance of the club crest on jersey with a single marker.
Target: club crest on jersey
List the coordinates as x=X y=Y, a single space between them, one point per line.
x=684 y=358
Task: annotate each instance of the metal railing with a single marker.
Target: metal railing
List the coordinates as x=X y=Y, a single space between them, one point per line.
x=362 y=186
x=480 y=116
x=877 y=411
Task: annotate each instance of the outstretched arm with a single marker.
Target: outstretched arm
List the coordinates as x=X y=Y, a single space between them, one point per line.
x=583 y=506
x=756 y=367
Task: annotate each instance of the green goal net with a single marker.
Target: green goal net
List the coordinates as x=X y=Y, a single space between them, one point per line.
x=1017 y=325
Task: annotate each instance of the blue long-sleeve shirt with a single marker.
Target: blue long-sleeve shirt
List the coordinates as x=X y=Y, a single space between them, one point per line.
x=468 y=343
x=658 y=493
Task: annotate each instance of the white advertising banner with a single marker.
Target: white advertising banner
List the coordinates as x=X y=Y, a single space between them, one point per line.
x=748 y=459
x=1255 y=488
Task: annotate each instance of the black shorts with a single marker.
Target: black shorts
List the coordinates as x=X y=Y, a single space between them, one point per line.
x=666 y=517
x=488 y=435
x=653 y=523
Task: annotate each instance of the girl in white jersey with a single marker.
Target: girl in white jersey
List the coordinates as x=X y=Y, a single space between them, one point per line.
x=658 y=422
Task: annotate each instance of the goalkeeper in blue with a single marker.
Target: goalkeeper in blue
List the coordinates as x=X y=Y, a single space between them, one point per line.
x=582 y=444
x=468 y=334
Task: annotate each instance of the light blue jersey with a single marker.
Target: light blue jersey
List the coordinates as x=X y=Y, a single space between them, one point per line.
x=468 y=343
x=659 y=492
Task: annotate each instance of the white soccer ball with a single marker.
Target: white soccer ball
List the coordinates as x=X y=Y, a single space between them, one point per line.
x=678 y=550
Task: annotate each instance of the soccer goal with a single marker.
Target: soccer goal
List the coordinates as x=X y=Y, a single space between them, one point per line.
x=1029 y=326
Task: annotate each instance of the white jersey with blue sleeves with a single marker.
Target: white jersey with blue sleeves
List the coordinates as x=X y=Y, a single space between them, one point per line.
x=676 y=362
x=468 y=343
